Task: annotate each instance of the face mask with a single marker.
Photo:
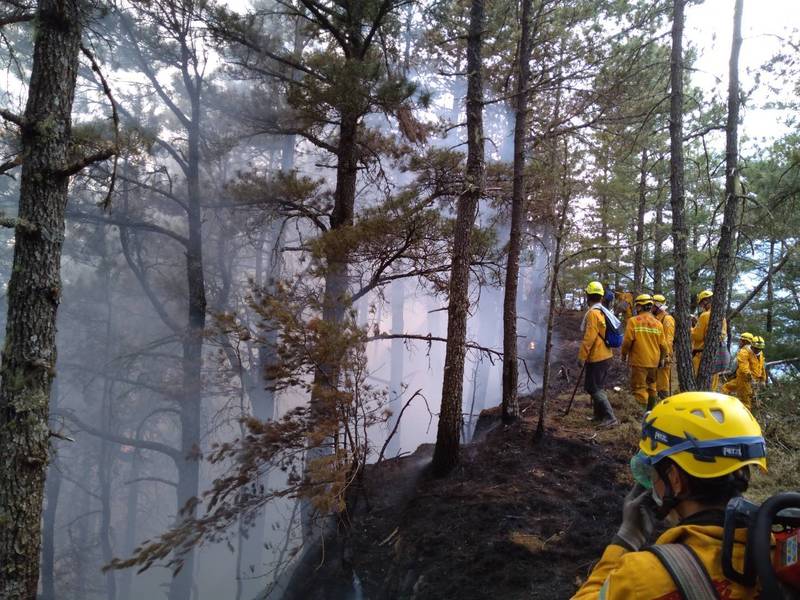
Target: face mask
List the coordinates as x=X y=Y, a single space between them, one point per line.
x=642 y=471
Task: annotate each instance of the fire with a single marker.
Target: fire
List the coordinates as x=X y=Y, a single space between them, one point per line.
x=532 y=345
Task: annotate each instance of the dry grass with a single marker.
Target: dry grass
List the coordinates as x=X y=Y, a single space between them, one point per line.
x=779 y=416
x=778 y=413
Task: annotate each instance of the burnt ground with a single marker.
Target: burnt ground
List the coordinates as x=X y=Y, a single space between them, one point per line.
x=516 y=519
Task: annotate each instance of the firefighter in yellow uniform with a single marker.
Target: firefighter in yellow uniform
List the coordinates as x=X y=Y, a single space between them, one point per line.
x=760 y=374
x=758 y=348
x=741 y=386
x=664 y=375
x=645 y=350
x=595 y=357
x=691 y=486
x=624 y=304
x=699 y=336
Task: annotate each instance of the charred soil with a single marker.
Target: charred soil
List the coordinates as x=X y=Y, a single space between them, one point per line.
x=516 y=519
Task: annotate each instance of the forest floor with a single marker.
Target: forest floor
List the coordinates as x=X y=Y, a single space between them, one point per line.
x=517 y=518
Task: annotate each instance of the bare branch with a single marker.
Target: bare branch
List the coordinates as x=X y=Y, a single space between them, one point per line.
x=114 y=118
x=18 y=120
x=81 y=164
x=153 y=479
x=174 y=454
x=19 y=224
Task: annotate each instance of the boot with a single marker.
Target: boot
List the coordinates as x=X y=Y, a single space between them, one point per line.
x=597 y=410
x=651 y=402
x=610 y=419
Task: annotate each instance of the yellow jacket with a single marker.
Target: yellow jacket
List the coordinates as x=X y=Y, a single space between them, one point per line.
x=593 y=348
x=699 y=331
x=747 y=364
x=644 y=341
x=625 y=303
x=760 y=370
x=624 y=575
x=668 y=322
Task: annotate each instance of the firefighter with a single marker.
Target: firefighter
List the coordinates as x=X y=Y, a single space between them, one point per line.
x=624 y=305
x=760 y=374
x=594 y=356
x=664 y=375
x=699 y=339
x=689 y=486
x=741 y=386
x=645 y=350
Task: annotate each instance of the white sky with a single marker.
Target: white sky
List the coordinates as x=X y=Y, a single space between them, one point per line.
x=709 y=27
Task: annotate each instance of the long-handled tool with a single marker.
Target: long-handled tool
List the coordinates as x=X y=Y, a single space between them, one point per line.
x=575 y=391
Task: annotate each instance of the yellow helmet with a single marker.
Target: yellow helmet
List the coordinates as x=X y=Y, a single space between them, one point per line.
x=644 y=299
x=748 y=337
x=758 y=342
x=703 y=295
x=595 y=287
x=705 y=433
x=659 y=299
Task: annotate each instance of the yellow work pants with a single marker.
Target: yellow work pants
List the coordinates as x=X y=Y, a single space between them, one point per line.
x=742 y=388
x=643 y=383
x=714 y=378
x=664 y=379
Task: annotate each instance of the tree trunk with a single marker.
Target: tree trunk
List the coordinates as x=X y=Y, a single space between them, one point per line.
x=52 y=491
x=683 y=344
x=725 y=254
x=770 y=289
x=192 y=348
x=562 y=229
x=34 y=291
x=105 y=475
x=397 y=353
x=131 y=513
x=334 y=300
x=446 y=453
x=658 y=248
x=604 y=242
x=638 y=253
x=510 y=406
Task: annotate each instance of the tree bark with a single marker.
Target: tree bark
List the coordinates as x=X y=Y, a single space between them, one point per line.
x=551 y=311
x=510 y=403
x=770 y=289
x=683 y=344
x=192 y=346
x=447 y=450
x=725 y=254
x=638 y=253
x=397 y=353
x=52 y=492
x=34 y=292
x=131 y=514
x=658 y=249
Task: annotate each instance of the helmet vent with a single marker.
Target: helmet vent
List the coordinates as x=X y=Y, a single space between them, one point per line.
x=718 y=415
x=699 y=413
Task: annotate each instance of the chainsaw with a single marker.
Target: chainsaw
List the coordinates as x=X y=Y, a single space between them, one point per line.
x=773 y=539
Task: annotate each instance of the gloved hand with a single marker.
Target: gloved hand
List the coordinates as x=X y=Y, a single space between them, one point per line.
x=638 y=521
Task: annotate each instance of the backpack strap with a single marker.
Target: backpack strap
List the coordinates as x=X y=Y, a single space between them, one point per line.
x=687 y=571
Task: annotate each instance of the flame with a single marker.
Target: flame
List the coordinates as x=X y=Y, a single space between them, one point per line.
x=532 y=345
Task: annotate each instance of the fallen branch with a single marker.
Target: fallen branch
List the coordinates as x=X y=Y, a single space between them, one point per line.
x=782 y=362
x=397 y=424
